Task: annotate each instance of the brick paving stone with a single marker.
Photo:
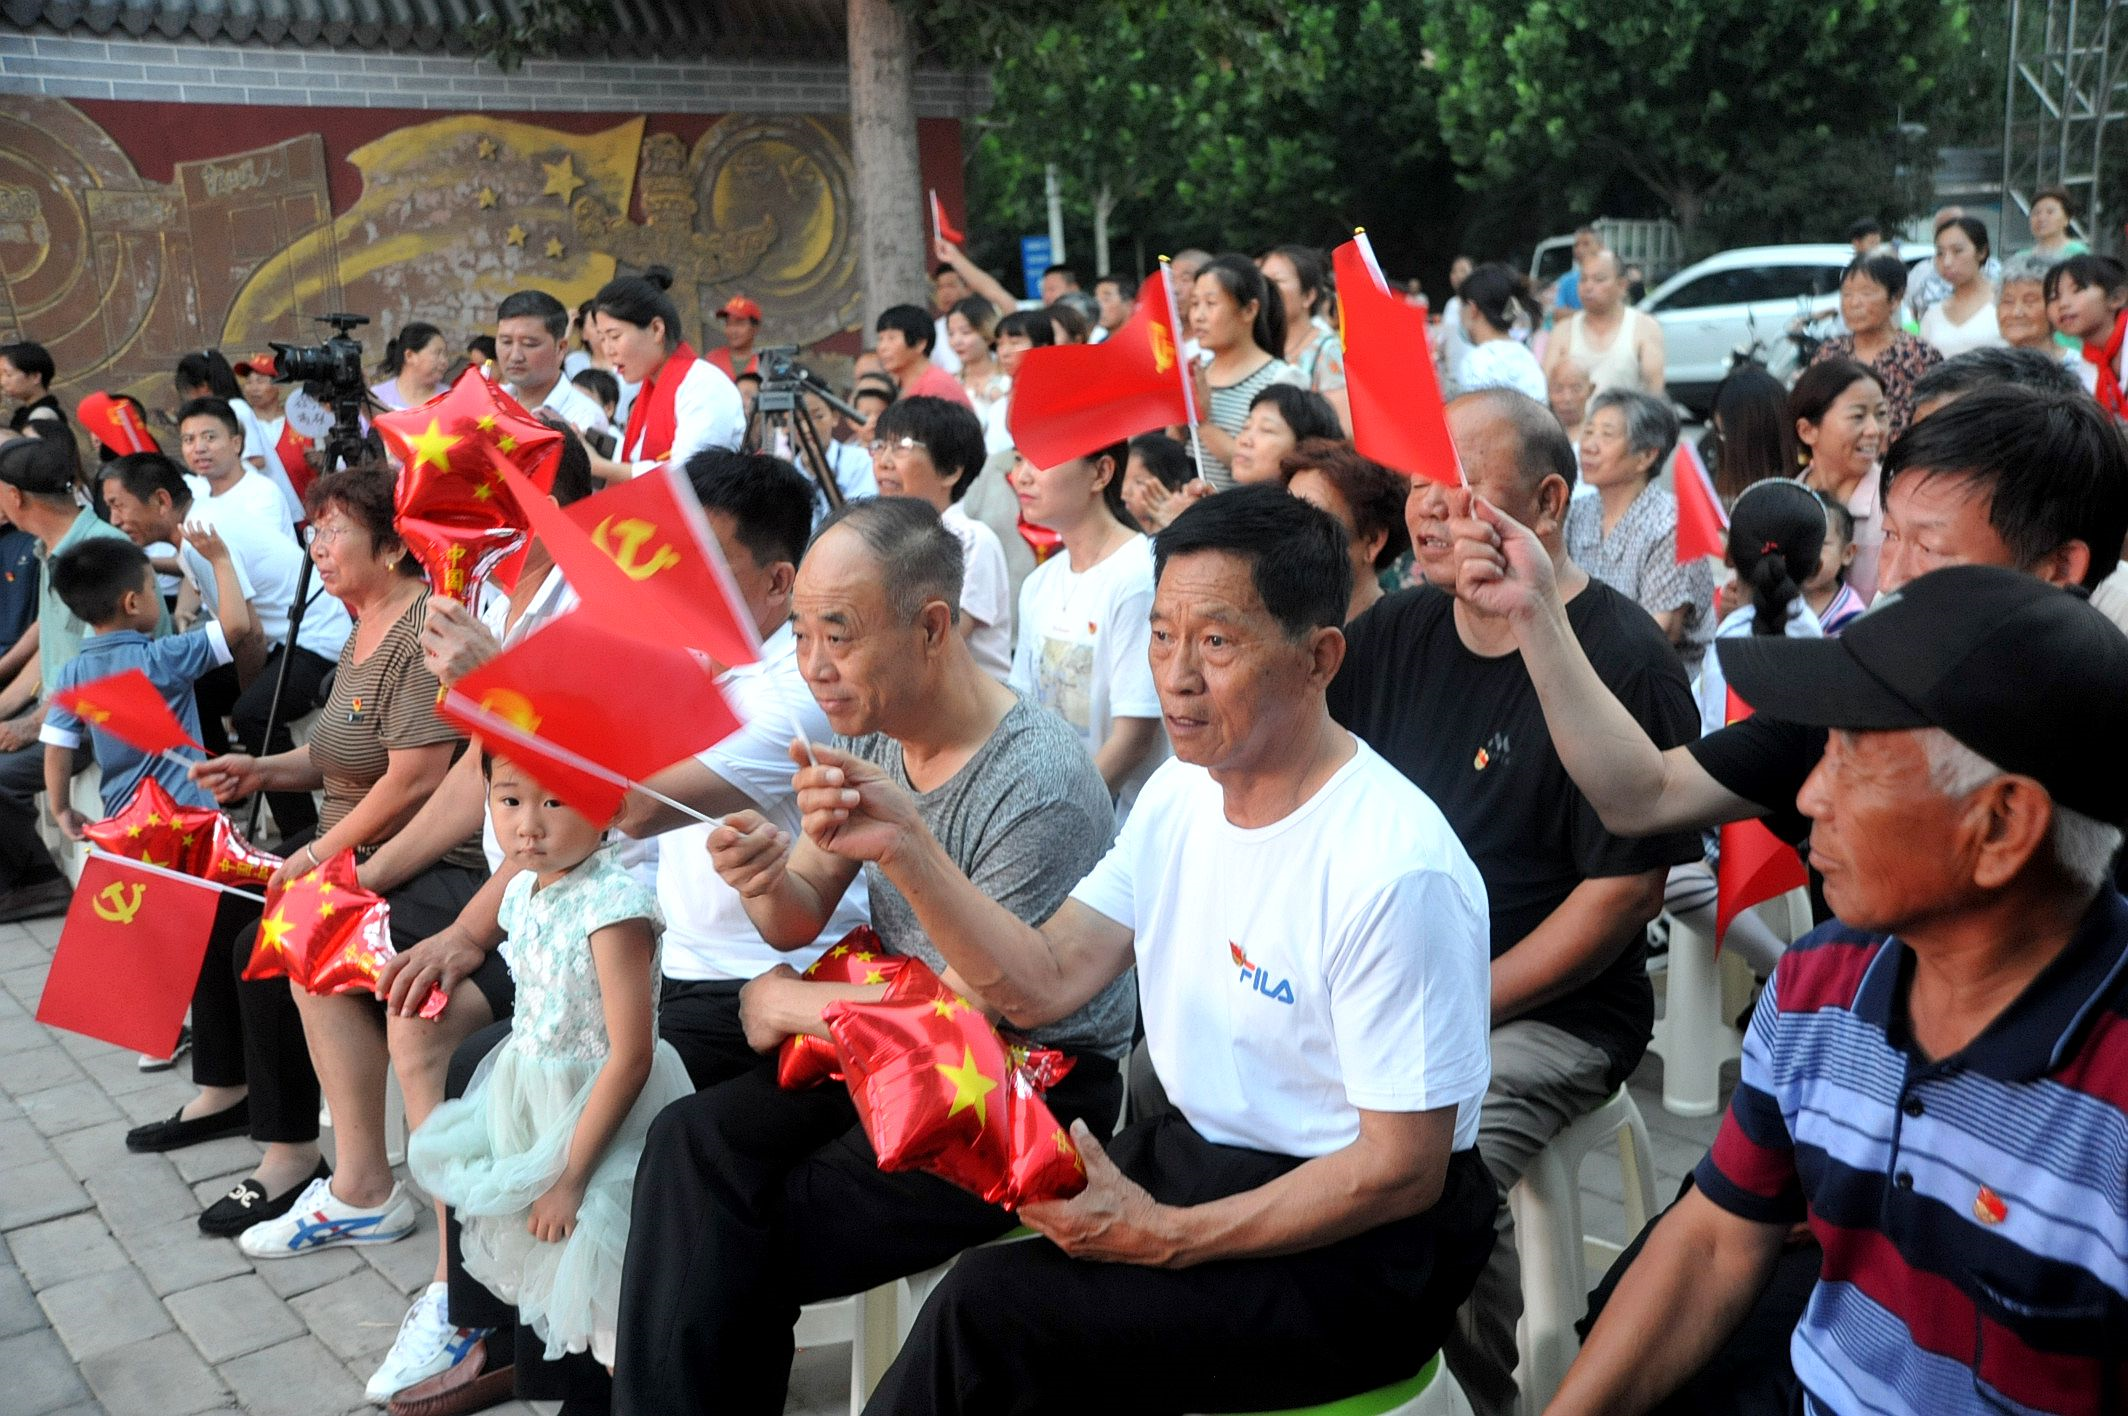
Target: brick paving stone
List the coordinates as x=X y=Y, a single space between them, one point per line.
x=103 y=1312
x=231 y=1155
x=39 y=1069
x=144 y=1195
x=233 y=1317
x=20 y=1144
x=41 y=1190
x=40 y=1376
x=357 y=1316
x=409 y=1265
x=163 y=1376
x=290 y=1277
x=69 y=1108
x=19 y=1032
x=176 y=1256
x=295 y=1378
x=119 y=1074
x=60 y=1250
x=98 y=1150
x=18 y=1306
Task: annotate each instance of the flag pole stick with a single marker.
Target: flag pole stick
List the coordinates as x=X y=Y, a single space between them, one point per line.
x=496 y=727
x=1189 y=386
x=201 y=880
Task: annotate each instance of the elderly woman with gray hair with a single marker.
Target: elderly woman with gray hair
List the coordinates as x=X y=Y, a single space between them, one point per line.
x=1626 y=535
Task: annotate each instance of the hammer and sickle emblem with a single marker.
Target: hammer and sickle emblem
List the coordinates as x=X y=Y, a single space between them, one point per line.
x=114 y=904
x=85 y=709
x=624 y=541
x=512 y=707
x=1163 y=347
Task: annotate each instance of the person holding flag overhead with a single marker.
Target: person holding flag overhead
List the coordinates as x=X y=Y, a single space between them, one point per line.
x=684 y=402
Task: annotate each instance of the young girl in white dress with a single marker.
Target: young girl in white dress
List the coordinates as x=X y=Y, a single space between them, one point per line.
x=539 y=1156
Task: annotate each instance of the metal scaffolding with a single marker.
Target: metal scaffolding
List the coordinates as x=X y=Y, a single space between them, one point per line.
x=2066 y=86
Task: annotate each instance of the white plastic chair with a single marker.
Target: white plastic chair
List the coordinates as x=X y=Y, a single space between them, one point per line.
x=1555 y=1254
x=1433 y=1392
x=1695 y=1036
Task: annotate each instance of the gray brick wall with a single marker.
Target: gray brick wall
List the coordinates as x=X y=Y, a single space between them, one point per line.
x=198 y=72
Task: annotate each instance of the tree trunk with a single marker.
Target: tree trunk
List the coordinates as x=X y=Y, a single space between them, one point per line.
x=890 y=223
x=1104 y=203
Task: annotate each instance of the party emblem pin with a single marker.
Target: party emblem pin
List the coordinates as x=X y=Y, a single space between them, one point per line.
x=1988 y=1207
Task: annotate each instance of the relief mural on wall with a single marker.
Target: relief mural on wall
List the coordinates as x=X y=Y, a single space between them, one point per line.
x=119 y=275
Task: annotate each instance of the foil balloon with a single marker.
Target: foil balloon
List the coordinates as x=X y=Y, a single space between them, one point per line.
x=803 y=1061
x=154 y=830
x=938 y=1089
x=450 y=506
x=232 y=860
x=321 y=929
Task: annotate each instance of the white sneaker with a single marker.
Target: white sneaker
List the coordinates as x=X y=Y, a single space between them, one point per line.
x=319 y=1220
x=428 y=1344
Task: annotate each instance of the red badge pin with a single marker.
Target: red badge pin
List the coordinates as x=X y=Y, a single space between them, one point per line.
x=1989 y=1208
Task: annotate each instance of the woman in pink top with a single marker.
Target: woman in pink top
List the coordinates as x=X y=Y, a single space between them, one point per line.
x=904 y=341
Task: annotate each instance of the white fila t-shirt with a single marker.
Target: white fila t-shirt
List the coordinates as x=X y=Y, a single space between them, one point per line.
x=1294 y=974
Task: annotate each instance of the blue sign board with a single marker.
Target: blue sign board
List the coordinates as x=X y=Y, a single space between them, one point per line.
x=1035 y=257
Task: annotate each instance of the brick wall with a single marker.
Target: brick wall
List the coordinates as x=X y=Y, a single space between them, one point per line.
x=198 y=72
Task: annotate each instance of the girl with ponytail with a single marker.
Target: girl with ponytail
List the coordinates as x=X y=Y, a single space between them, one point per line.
x=1496 y=300
x=1776 y=535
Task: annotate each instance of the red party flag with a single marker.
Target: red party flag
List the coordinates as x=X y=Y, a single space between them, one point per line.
x=1756 y=866
x=1702 y=525
x=806 y=1061
x=293 y=449
x=130 y=708
x=448 y=506
x=943 y=227
x=115 y=423
x=592 y=791
x=548 y=686
x=129 y=955
x=1398 y=418
x=644 y=561
x=938 y=1089
x=1072 y=399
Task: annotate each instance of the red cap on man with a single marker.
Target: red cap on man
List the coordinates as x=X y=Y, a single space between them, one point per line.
x=256 y=364
x=741 y=308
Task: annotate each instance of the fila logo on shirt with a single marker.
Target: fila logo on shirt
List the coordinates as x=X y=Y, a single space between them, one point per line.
x=1254 y=976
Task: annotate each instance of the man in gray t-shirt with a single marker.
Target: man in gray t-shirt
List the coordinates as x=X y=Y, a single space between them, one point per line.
x=755 y=1200
x=1025 y=820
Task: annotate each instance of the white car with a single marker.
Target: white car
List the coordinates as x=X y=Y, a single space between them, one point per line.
x=1740 y=300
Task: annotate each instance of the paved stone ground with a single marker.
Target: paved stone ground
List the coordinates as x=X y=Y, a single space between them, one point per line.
x=112 y=1301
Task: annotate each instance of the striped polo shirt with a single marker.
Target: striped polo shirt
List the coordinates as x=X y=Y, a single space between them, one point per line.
x=1973 y=1210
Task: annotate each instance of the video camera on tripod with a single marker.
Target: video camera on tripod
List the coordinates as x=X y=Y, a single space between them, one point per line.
x=780 y=408
x=331 y=373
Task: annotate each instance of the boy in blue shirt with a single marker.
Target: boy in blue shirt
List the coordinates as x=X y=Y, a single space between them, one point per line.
x=109 y=582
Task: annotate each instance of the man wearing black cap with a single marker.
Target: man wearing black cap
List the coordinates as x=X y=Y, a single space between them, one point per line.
x=1933 y=1079
x=37 y=494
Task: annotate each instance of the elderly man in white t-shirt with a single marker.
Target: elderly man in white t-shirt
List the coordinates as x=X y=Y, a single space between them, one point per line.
x=1310 y=941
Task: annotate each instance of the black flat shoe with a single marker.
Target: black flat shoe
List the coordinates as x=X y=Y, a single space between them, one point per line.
x=177 y=1133
x=246 y=1204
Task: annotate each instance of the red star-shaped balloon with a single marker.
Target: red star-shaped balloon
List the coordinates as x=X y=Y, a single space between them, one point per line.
x=154 y=830
x=322 y=931
x=860 y=957
x=451 y=507
x=938 y=1089
x=232 y=860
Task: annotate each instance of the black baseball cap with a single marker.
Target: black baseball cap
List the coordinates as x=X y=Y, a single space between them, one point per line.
x=2025 y=673
x=39 y=464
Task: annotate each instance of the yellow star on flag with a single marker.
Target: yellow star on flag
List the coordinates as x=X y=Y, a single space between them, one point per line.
x=187 y=838
x=562 y=180
x=132 y=831
x=433 y=446
x=486 y=148
x=515 y=236
x=325 y=887
x=506 y=443
x=325 y=911
x=147 y=859
x=483 y=492
x=863 y=958
x=154 y=819
x=838 y=951
x=971 y=1088
x=555 y=249
x=485 y=422
x=874 y=976
x=947 y=1007
x=487 y=198
x=273 y=930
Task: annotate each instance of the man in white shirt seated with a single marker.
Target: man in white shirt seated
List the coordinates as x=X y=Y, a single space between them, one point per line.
x=1311 y=943
x=150 y=500
x=531 y=332
x=211 y=437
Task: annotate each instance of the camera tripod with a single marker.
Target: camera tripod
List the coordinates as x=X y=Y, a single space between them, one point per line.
x=780 y=408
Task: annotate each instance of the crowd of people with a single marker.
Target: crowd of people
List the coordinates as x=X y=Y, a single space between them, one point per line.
x=1318 y=815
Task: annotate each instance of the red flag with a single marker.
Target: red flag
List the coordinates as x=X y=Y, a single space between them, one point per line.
x=1398 y=418
x=592 y=791
x=1702 y=525
x=806 y=1061
x=1072 y=399
x=448 y=505
x=548 y=686
x=293 y=449
x=115 y=423
x=129 y=955
x=943 y=227
x=1756 y=866
x=130 y=708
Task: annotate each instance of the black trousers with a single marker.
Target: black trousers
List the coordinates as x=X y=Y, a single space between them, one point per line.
x=1018 y=1328
x=701 y=1021
x=217 y=1016
x=24 y=860
x=753 y=1201
x=284 y=1088
x=217 y=695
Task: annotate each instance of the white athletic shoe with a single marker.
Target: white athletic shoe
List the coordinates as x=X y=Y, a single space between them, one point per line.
x=428 y=1344
x=320 y=1221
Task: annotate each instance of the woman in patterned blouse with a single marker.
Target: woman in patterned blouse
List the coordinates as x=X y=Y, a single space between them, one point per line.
x=1870 y=292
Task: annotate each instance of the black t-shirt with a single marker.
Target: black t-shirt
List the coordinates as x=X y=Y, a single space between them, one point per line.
x=1765 y=761
x=1469 y=731
x=46 y=407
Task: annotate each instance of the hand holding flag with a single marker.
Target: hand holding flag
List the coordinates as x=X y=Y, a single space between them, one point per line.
x=943 y=229
x=130 y=708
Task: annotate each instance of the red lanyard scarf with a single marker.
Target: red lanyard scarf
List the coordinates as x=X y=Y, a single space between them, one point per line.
x=2108 y=359
x=652 y=425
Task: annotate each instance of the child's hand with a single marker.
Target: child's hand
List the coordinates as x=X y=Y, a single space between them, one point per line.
x=70 y=823
x=552 y=1217
x=202 y=538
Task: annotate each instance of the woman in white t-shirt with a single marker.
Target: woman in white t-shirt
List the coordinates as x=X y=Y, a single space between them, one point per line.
x=1964 y=320
x=1085 y=615
x=1491 y=297
x=971 y=332
x=932 y=449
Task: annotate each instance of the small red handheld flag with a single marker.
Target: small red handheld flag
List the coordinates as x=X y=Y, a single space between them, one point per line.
x=1397 y=415
x=645 y=562
x=945 y=229
x=1756 y=866
x=130 y=708
x=129 y=955
x=115 y=423
x=1072 y=399
x=1702 y=525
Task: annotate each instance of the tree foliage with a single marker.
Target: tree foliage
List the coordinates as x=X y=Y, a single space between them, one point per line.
x=1696 y=101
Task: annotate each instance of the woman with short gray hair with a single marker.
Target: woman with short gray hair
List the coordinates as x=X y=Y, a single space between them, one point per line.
x=1626 y=535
